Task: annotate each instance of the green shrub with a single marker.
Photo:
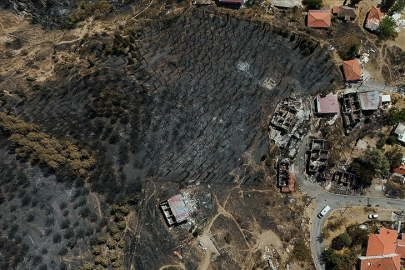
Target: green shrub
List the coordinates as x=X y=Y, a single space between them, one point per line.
x=312 y=4
x=391 y=140
x=341 y=241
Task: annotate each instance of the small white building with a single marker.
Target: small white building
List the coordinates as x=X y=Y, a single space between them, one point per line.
x=400 y=132
x=385 y=99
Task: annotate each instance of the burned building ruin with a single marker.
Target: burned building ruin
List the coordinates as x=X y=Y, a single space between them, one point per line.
x=351 y=111
x=285 y=178
x=175 y=210
x=286 y=125
x=317 y=157
x=344 y=182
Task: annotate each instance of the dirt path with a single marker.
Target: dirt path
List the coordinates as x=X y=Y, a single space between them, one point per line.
x=98 y=204
x=180 y=266
x=210 y=249
x=143 y=9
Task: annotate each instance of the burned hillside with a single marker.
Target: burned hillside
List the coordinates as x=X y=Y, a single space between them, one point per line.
x=184 y=100
x=193 y=104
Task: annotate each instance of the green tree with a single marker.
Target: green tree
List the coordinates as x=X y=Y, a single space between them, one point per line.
x=394 y=157
x=387 y=28
x=399 y=6
x=370 y=164
x=336 y=261
x=387 y=4
x=341 y=241
x=396 y=115
x=391 y=140
x=358 y=235
x=312 y=4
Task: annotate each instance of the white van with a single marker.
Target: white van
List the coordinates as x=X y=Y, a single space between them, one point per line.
x=324 y=211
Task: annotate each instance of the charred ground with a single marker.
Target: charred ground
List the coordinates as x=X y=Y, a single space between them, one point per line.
x=165 y=105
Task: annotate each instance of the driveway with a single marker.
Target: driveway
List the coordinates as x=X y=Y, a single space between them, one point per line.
x=370 y=85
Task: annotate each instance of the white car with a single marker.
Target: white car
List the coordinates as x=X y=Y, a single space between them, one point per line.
x=373 y=216
x=324 y=211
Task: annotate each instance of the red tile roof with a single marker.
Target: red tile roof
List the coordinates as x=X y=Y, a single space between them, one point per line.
x=400 y=170
x=386 y=263
x=351 y=70
x=327 y=104
x=383 y=243
x=319 y=18
x=375 y=13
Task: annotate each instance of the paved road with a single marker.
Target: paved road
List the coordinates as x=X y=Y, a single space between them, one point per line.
x=335 y=201
x=374 y=86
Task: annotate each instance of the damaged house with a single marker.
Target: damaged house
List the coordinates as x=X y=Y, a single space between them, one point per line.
x=286 y=125
x=285 y=178
x=175 y=210
x=344 y=182
x=317 y=157
x=351 y=111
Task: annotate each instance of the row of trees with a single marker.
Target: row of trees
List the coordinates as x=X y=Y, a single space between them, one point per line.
x=31 y=144
x=85 y=10
x=114 y=242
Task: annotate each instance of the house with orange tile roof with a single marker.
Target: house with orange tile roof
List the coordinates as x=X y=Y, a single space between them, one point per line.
x=319 y=18
x=384 y=251
x=383 y=243
x=390 y=262
x=352 y=70
x=374 y=18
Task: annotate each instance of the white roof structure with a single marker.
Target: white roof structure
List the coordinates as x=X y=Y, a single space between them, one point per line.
x=400 y=131
x=385 y=98
x=369 y=100
x=285 y=3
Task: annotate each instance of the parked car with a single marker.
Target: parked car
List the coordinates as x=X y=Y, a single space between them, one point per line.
x=324 y=211
x=373 y=216
x=385 y=176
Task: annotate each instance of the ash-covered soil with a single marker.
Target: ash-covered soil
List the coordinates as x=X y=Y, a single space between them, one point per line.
x=190 y=107
x=208 y=106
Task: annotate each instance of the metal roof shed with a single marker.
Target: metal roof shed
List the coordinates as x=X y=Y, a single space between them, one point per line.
x=179 y=208
x=369 y=100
